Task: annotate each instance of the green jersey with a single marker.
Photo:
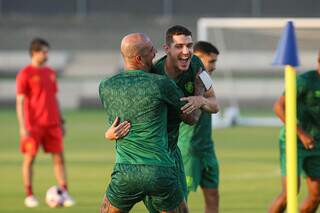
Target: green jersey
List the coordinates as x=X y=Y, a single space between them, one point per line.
x=185 y=82
x=142 y=98
x=308 y=104
x=196 y=139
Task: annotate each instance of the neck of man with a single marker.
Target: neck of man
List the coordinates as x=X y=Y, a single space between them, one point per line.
x=129 y=67
x=35 y=63
x=171 y=70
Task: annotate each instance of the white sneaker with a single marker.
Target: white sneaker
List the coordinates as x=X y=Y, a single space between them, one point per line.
x=67 y=199
x=31 y=201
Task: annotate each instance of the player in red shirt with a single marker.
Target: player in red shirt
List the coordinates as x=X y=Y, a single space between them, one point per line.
x=40 y=120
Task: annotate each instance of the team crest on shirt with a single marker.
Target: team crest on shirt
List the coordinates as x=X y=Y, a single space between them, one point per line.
x=35 y=78
x=189 y=87
x=317 y=93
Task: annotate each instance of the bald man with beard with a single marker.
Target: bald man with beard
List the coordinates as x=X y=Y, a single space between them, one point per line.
x=144 y=166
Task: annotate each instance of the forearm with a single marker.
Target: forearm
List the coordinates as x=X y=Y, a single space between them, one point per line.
x=210 y=104
x=20 y=112
x=279 y=109
x=300 y=131
x=60 y=112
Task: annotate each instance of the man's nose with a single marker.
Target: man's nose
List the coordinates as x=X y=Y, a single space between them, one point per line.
x=185 y=50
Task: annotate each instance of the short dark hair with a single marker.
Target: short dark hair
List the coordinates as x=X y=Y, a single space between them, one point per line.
x=205 y=47
x=176 y=30
x=37 y=44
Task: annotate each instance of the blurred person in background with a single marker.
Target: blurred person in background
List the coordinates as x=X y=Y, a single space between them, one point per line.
x=40 y=119
x=308 y=138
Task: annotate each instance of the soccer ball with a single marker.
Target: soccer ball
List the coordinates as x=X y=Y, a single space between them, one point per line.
x=54 y=197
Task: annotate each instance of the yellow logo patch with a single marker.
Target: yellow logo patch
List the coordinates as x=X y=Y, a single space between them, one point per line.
x=189 y=87
x=35 y=78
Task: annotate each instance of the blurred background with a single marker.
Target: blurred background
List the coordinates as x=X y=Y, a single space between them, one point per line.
x=85 y=37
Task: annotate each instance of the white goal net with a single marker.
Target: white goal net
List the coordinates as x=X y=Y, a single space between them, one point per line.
x=245 y=77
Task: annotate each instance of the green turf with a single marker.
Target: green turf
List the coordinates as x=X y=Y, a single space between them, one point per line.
x=248 y=166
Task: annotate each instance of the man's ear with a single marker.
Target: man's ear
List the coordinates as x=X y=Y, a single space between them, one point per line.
x=166 y=48
x=138 y=59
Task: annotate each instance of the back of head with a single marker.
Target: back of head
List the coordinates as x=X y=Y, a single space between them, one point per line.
x=137 y=51
x=176 y=30
x=205 y=47
x=134 y=44
x=37 y=44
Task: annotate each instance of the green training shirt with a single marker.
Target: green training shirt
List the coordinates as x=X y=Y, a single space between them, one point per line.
x=185 y=82
x=196 y=139
x=142 y=98
x=308 y=105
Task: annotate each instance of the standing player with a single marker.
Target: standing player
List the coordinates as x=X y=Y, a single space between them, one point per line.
x=40 y=120
x=195 y=143
x=308 y=132
x=180 y=65
x=144 y=165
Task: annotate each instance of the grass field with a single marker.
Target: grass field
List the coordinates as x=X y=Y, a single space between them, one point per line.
x=248 y=166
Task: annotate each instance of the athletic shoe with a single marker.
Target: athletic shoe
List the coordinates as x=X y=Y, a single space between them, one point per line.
x=67 y=199
x=31 y=201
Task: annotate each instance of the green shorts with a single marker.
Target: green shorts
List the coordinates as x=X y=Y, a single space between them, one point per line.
x=181 y=172
x=131 y=183
x=201 y=170
x=308 y=161
x=181 y=180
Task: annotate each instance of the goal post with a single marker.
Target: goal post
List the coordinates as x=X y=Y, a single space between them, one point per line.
x=203 y=24
x=247 y=47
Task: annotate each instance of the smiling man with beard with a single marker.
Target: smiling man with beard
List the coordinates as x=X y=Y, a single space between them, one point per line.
x=180 y=65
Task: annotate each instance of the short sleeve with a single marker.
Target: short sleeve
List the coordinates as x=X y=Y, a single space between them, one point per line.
x=101 y=88
x=196 y=65
x=22 y=83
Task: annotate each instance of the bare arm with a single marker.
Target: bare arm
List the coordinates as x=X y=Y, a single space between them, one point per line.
x=23 y=132
x=62 y=121
x=210 y=103
x=279 y=109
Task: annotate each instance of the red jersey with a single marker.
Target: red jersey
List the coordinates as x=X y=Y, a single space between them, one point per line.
x=39 y=86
